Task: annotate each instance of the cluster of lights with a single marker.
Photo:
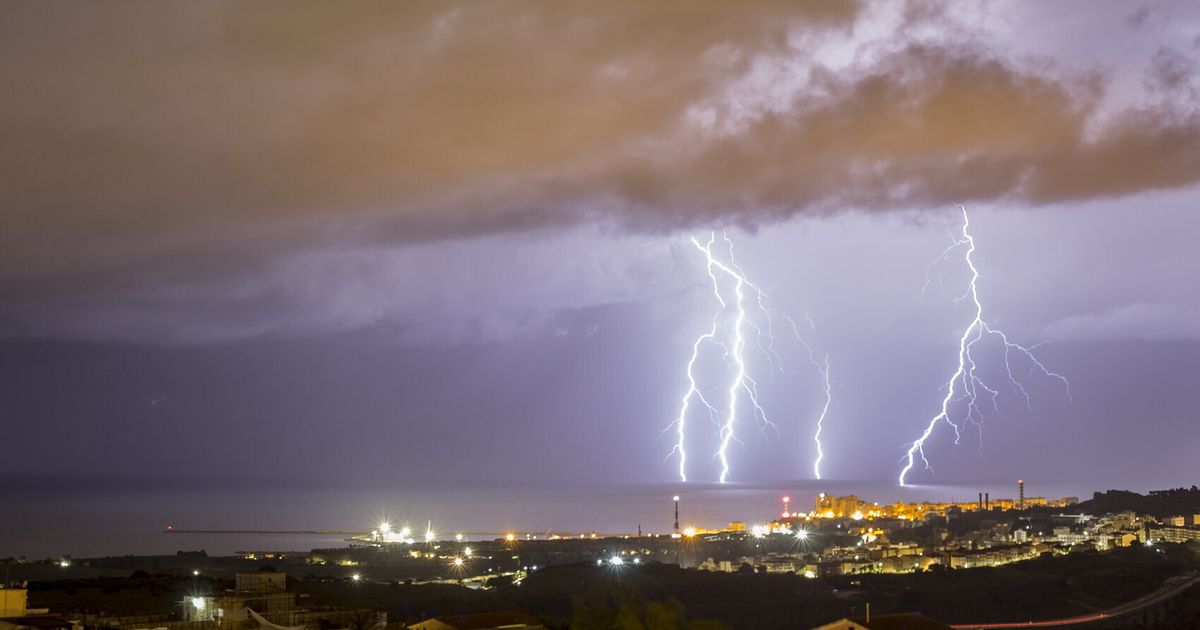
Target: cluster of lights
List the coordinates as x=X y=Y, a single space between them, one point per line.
x=385 y=533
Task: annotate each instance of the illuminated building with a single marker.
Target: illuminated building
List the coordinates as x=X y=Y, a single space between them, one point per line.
x=263 y=596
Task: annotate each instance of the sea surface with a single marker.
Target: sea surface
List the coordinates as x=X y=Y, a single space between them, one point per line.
x=89 y=517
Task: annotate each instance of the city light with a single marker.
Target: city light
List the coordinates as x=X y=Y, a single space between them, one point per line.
x=802 y=534
x=458 y=562
x=759 y=531
x=385 y=528
x=195 y=571
x=198 y=603
x=616 y=561
x=467 y=551
x=458 y=537
x=510 y=537
x=689 y=531
x=430 y=536
x=356 y=577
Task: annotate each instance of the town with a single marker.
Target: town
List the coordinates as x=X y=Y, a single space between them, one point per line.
x=384 y=577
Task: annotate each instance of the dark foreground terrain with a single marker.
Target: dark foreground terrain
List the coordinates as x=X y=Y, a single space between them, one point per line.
x=665 y=596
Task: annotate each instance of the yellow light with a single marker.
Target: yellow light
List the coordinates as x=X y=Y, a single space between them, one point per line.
x=689 y=531
x=510 y=537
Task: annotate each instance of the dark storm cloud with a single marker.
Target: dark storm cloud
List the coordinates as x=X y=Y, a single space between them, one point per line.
x=149 y=148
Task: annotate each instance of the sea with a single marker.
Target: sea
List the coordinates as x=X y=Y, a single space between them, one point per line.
x=51 y=517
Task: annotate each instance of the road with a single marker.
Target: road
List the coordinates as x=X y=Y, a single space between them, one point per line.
x=1170 y=589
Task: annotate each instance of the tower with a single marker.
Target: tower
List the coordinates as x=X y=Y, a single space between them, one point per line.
x=676 y=499
x=787 y=512
x=1020 y=494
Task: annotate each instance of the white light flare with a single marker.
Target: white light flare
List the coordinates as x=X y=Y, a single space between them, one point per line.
x=964 y=376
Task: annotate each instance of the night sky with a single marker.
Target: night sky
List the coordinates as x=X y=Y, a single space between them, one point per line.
x=434 y=241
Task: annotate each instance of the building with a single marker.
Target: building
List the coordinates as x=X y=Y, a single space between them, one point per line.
x=263 y=597
x=13 y=601
x=1175 y=534
x=839 y=507
x=38 y=622
x=507 y=620
x=16 y=615
x=902 y=621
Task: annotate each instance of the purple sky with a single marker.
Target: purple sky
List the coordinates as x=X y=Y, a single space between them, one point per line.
x=453 y=241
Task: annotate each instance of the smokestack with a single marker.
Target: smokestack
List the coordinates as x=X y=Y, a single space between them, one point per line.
x=980 y=500
x=676 y=498
x=1020 y=494
x=987 y=501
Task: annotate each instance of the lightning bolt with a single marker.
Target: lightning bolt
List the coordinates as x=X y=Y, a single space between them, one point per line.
x=693 y=391
x=821 y=418
x=965 y=376
x=742 y=384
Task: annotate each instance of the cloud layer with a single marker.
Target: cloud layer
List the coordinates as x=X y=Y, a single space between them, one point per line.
x=146 y=145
